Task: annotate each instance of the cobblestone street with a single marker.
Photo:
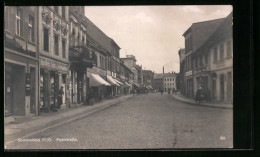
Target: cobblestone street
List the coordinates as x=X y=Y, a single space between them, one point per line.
x=145 y=121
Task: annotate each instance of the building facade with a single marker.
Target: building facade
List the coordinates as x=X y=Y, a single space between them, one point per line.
x=21 y=61
x=148 y=76
x=213 y=63
x=195 y=36
x=53 y=27
x=169 y=82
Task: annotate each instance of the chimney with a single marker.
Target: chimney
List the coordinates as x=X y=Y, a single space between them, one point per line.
x=163 y=70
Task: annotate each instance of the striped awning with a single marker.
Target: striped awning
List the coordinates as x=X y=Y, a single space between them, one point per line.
x=120 y=83
x=112 y=81
x=96 y=80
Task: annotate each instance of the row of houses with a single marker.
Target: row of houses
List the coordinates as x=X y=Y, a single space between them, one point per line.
x=165 y=82
x=207 y=59
x=49 y=47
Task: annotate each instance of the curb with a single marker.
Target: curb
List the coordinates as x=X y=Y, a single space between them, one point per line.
x=203 y=105
x=72 y=118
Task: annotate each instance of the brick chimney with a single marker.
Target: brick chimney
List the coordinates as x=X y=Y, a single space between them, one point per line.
x=163 y=70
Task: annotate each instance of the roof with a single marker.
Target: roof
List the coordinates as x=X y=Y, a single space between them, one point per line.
x=99 y=36
x=160 y=76
x=222 y=30
x=201 y=31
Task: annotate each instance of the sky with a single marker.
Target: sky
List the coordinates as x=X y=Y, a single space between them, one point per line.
x=153 y=34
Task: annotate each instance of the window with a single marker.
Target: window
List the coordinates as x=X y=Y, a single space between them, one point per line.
x=215 y=54
x=221 y=55
x=196 y=62
x=6 y=17
x=165 y=79
x=45 y=39
x=63 y=48
x=170 y=79
x=63 y=12
x=201 y=61
x=190 y=42
x=56 y=9
x=100 y=61
x=31 y=28
x=228 y=48
x=206 y=59
x=56 y=44
x=19 y=21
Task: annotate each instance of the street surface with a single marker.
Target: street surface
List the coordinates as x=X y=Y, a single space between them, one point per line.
x=145 y=121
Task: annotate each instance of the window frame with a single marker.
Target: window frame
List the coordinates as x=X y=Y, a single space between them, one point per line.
x=44 y=42
x=31 y=28
x=56 y=45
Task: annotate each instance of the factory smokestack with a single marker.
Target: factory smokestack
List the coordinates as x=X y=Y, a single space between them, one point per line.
x=163 y=70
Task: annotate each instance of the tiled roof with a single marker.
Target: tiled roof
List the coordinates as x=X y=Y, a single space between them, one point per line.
x=160 y=76
x=201 y=31
x=223 y=29
x=100 y=37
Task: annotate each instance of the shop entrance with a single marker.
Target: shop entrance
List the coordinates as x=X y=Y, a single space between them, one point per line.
x=14 y=89
x=8 y=91
x=222 y=87
x=33 y=92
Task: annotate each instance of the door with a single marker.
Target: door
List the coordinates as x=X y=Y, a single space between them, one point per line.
x=229 y=87
x=33 y=92
x=222 y=87
x=8 y=93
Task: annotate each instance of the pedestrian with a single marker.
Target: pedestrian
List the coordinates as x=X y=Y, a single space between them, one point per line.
x=68 y=99
x=60 y=95
x=199 y=95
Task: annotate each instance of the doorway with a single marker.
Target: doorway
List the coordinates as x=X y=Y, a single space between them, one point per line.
x=222 y=87
x=8 y=91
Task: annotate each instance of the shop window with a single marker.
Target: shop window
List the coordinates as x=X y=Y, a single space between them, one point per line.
x=45 y=39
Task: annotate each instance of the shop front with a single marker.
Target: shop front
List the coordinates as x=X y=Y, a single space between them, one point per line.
x=53 y=76
x=20 y=79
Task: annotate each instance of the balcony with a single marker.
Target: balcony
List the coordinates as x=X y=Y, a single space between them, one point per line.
x=82 y=56
x=19 y=44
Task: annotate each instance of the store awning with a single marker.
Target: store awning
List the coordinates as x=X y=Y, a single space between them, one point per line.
x=112 y=81
x=136 y=85
x=120 y=83
x=127 y=84
x=96 y=80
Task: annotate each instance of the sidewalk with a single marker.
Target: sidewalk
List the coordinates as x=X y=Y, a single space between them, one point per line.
x=182 y=98
x=45 y=121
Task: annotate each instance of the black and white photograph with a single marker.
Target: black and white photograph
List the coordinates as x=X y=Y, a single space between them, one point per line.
x=118 y=77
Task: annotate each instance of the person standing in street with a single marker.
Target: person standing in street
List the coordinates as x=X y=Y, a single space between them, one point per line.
x=60 y=94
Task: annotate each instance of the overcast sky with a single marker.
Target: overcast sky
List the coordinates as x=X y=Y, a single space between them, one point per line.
x=152 y=33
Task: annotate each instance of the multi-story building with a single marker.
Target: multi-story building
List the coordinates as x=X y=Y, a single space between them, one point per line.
x=21 y=61
x=53 y=29
x=181 y=76
x=139 y=74
x=130 y=62
x=158 y=82
x=213 y=64
x=195 y=36
x=148 y=78
x=169 y=82
x=107 y=68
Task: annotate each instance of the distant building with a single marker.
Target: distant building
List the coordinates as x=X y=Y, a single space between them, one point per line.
x=148 y=77
x=165 y=82
x=169 y=82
